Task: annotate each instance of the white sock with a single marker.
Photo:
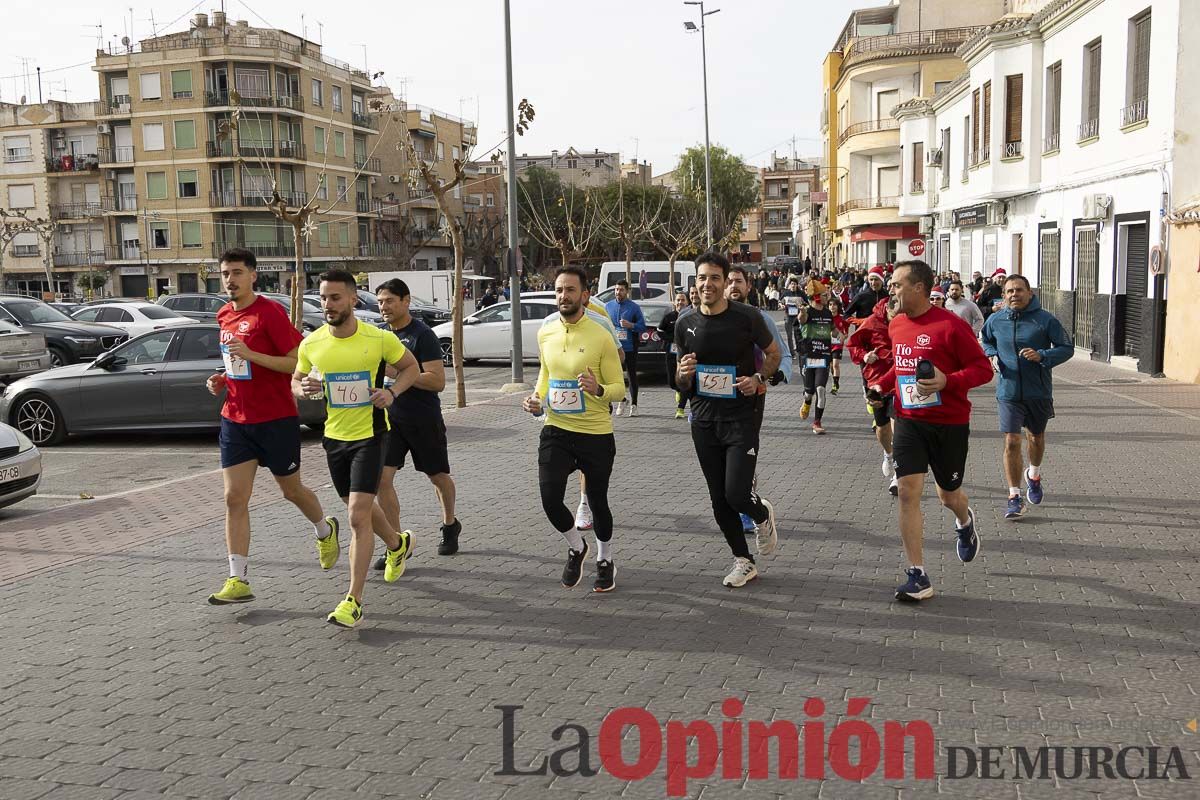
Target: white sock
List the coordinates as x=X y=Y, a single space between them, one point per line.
x=1034 y=472
x=962 y=523
x=574 y=539
x=239 y=566
x=583 y=503
x=604 y=550
x=918 y=566
x=1014 y=491
x=322 y=529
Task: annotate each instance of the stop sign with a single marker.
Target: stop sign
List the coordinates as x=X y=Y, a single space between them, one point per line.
x=916 y=247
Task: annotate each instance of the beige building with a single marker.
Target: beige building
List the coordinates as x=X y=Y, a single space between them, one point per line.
x=637 y=173
x=576 y=168
x=781 y=183
x=51 y=172
x=181 y=182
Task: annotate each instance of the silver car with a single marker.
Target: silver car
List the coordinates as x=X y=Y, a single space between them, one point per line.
x=153 y=382
x=20 y=466
x=21 y=352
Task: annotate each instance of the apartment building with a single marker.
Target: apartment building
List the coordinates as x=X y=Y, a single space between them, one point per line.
x=1052 y=156
x=883 y=57
x=576 y=168
x=51 y=172
x=640 y=174
x=196 y=129
x=784 y=181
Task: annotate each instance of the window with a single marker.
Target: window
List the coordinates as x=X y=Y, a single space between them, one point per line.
x=964 y=255
x=116 y=314
x=356 y=103
x=986 y=139
x=975 y=127
x=491 y=200
x=20 y=195
x=989 y=254
x=918 y=167
x=1137 y=78
x=339 y=144
x=152 y=136
x=1014 y=90
x=322 y=188
x=323 y=234
x=945 y=157
x=199 y=344
x=316 y=92
x=160 y=235
x=572 y=163
x=1089 y=127
x=335 y=95
x=1053 y=107
x=343 y=232
x=156 y=186
x=939 y=85
x=341 y=187
x=189 y=185
x=190 y=234
x=319 y=140
x=252 y=82
x=150 y=349
x=599 y=162
x=441 y=151
x=151 y=86
x=181 y=84
x=17 y=148
x=454 y=153
x=185 y=134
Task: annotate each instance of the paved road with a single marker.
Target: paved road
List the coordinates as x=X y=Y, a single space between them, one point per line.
x=1077 y=626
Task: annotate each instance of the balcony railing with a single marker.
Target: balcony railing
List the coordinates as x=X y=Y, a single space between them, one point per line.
x=115 y=155
x=1012 y=149
x=869 y=202
x=1135 y=113
x=290 y=149
x=126 y=251
x=78 y=259
x=966 y=174
x=917 y=187
x=1050 y=143
x=223 y=199
x=363 y=120
x=420 y=194
x=118 y=104
x=1089 y=129
x=24 y=250
x=17 y=155
x=376 y=249
x=256 y=198
x=290 y=102
x=366 y=164
x=914 y=43
x=219 y=149
x=73 y=163
x=120 y=202
x=75 y=210
x=868 y=127
x=261 y=148
x=368 y=205
x=985 y=154
x=260 y=249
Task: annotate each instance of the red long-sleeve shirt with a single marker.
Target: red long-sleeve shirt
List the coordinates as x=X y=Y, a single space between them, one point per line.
x=943 y=338
x=873 y=336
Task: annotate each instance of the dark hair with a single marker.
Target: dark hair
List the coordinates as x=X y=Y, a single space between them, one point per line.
x=1021 y=278
x=578 y=272
x=623 y=282
x=716 y=259
x=919 y=272
x=239 y=255
x=957 y=283
x=339 y=276
x=394 y=286
x=738 y=268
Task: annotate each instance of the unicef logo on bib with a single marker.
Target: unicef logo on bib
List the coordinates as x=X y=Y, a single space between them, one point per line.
x=566 y=397
x=716 y=381
x=348 y=389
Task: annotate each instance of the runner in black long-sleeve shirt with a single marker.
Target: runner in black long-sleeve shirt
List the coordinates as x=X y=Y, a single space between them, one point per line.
x=863 y=304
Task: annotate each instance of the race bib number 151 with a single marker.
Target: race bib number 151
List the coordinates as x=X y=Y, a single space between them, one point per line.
x=716 y=381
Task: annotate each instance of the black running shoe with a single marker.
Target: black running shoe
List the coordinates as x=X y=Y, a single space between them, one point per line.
x=573 y=571
x=449 y=543
x=606 y=576
x=381 y=562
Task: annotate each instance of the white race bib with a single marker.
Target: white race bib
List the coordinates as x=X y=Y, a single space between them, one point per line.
x=816 y=363
x=907 y=385
x=565 y=397
x=236 y=368
x=622 y=334
x=716 y=381
x=348 y=389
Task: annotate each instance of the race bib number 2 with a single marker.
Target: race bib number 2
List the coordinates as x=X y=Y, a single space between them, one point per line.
x=566 y=397
x=236 y=368
x=348 y=389
x=716 y=381
x=909 y=398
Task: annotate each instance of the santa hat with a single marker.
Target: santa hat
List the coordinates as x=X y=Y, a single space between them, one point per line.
x=875 y=270
x=999 y=271
x=936 y=294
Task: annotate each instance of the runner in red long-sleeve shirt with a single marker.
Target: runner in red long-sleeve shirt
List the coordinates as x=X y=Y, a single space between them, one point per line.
x=933 y=414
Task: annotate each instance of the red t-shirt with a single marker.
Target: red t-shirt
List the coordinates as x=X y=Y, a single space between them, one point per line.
x=254 y=393
x=945 y=339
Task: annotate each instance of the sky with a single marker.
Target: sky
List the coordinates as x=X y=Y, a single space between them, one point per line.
x=618 y=75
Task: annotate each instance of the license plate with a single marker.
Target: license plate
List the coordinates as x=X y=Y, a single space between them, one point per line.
x=32 y=364
x=9 y=473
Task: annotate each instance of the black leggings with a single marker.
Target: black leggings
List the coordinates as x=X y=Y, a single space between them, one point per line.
x=815 y=381
x=631 y=367
x=560 y=453
x=672 y=365
x=728 y=454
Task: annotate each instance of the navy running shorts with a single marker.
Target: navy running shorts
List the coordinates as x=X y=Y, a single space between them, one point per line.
x=274 y=445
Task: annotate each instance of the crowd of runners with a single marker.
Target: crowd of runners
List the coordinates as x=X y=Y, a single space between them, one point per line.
x=918 y=345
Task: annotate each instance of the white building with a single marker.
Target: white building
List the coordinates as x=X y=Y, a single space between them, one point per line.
x=1051 y=157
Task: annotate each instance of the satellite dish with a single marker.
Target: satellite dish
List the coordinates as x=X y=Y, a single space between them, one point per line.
x=125 y=41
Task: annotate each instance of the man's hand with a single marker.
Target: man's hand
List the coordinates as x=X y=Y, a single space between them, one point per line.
x=626 y=324
x=931 y=385
x=382 y=398
x=533 y=405
x=687 y=367
x=311 y=386
x=995 y=364
x=216 y=383
x=748 y=385
x=876 y=403
x=1029 y=354
x=588 y=382
x=871 y=357
x=238 y=348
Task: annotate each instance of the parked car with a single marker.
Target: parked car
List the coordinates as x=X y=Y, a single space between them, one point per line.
x=422 y=309
x=133 y=318
x=652 y=350
x=313 y=303
x=635 y=293
x=487 y=333
x=20 y=466
x=66 y=308
x=153 y=382
x=69 y=341
x=311 y=319
x=21 y=352
x=196 y=305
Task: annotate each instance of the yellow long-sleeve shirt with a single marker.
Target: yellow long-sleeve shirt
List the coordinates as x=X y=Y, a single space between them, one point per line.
x=568 y=350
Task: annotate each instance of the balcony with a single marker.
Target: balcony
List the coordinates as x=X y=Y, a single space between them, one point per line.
x=115 y=155
x=117 y=105
x=78 y=259
x=76 y=210
x=363 y=120
x=904 y=45
x=1050 y=143
x=869 y=202
x=292 y=150
x=223 y=199
x=966 y=174
x=25 y=250
x=219 y=149
x=119 y=203
x=73 y=164
x=261 y=249
x=917 y=187
x=868 y=127
x=285 y=102
x=1012 y=149
x=367 y=164
x=985 y=155
x=376 y=250
x=1089 y=130
x=259 y=148
x=126 y=251
x=368 y=205
x=1135 y=113
x=777 y=223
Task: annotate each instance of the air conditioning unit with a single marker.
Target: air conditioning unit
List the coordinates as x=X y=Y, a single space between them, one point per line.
x=393 y=178
x=996 y=214
x=933 y=158
x=104 y=127
x=66 y=229
x=1096 y=206
x=947 y=220
x=112 y=174
x=925 y=225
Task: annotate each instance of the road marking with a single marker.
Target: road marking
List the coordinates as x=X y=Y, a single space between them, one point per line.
x=1138 y=400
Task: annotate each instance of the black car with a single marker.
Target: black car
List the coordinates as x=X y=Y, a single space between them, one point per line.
x=195 y=305
x=421 y=309
x=68 y=341
x=311 y=319
x=652 y=349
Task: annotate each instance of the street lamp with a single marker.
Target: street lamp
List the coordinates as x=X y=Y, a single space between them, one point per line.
x=691 y=28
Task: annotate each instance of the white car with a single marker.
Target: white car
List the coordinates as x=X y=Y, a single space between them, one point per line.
x=133 y=318
x=20 y=466
x=488 y=332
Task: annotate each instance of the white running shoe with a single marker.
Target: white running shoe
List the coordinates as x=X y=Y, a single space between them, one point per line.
x=767 y=536
x=889 y=466
x=632 y=410
x=617 y=408
x=742 y=573
x=894 y=486
x=583 y=516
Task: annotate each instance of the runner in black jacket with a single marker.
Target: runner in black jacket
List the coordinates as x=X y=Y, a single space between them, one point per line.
x=863 y=304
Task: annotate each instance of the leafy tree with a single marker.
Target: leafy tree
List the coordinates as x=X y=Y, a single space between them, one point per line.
x=734 y=186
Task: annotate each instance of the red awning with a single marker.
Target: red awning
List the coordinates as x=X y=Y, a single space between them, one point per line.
x=874 y=233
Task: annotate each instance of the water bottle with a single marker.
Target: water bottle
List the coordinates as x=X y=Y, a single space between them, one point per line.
x=315 y=374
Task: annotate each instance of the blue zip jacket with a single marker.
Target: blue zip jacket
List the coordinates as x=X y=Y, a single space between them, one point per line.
x=631 y=311
x=1007 y=332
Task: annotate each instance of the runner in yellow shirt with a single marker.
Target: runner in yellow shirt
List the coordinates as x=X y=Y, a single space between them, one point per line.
x=346 y=360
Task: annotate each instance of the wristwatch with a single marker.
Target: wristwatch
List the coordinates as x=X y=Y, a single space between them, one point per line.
x=762 y=381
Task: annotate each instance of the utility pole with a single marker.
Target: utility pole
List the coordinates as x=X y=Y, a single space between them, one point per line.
x=518 y=368
x=704 y=63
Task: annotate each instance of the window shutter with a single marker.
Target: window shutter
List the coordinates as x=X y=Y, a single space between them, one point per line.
x=987 y=116
x=1012 y=123
x=1093 y=99
x=974 y=124
x=1141 y=67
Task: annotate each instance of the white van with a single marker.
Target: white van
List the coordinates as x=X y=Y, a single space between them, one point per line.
x=657 y=274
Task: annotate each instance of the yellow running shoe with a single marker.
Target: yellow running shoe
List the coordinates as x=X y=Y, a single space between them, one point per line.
x=347 y=614
x=235 y=590
x=328 y=548
x=394 y=561
x=804 y=409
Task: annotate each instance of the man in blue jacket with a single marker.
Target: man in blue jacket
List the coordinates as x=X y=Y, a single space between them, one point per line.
x=1025 y=342
x=627 y=318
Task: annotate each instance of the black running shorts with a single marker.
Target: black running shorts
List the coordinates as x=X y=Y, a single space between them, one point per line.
x=355 y=466
x=274 y=445
x=919 y=447
x=427 y=443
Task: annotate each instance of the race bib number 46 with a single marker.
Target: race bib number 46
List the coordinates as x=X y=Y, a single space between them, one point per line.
x=907 y=384
x=566 y=397
x=716 y=381
x=236 y=368
x=348 y=389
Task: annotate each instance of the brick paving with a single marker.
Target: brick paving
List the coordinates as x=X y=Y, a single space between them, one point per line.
x=1077 y=626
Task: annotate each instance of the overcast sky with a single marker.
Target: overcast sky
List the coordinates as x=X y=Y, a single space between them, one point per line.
x=609 y=74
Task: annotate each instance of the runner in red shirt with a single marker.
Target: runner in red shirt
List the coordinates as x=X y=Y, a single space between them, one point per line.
x=259 y=421
x=937 y=361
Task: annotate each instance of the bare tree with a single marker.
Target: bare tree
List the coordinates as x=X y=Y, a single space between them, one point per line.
x=630 y=216
x=405 y=236
x=45 y=230
x=567 y=221
x=681 y=231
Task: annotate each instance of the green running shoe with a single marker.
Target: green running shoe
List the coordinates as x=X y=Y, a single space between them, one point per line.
x=394 y=561
x=235 y=590
x=347 y=614
x=328 y=548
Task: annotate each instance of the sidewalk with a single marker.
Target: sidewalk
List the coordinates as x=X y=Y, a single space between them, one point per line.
x=1076 y=626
